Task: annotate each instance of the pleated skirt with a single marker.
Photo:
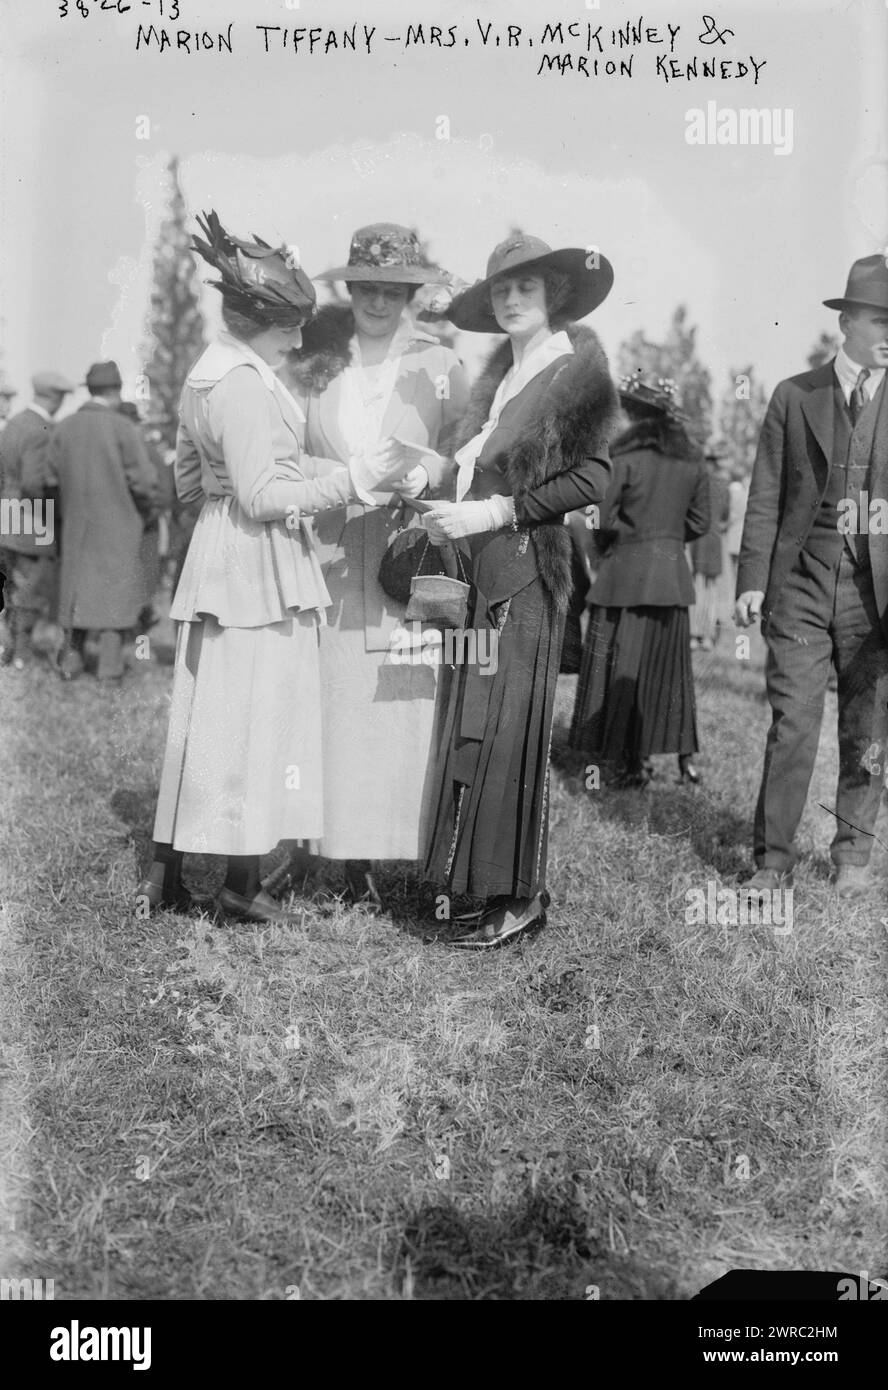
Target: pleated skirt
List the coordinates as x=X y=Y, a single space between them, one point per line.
x=242 y=767
x=489 y=826
x=635 y=694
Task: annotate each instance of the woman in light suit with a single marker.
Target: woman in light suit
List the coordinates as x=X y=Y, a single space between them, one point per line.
x=242 y=768
x=367 y=372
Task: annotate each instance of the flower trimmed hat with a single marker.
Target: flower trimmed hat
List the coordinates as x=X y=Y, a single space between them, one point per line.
x=655 y=396
x=384 y=252
x=257 y=279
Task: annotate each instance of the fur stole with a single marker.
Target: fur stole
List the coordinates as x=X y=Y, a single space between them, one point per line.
x=576 y=419
x=325 y=350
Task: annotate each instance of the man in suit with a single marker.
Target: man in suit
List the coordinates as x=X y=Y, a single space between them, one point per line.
x=108 y=488
x=29 y=549
x=822 y=593
x=7 y=396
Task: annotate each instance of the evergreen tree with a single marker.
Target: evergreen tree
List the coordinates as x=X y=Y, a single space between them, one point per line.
x=175 y=322
x=675 y=358
x=740 y=417
x=824 y=350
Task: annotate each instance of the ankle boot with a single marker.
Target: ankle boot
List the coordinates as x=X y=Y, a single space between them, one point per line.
x=163 y=886
x=360 y=882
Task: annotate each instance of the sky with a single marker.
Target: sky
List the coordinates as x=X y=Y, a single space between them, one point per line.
x=305 y=147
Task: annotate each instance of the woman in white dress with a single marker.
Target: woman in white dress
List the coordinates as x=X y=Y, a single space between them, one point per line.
x=243 y=766
x=368 y=372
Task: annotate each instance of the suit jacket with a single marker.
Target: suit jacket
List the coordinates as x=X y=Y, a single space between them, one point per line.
x=654 y=505
x=107 y=486
x=789 y=480
x=352 y=540
x=24 y=446
x=707 y=551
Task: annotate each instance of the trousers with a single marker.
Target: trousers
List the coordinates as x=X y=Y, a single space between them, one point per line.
x=826 y=615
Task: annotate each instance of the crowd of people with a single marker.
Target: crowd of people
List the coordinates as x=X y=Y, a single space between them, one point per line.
x=90 y=509
x=355 y=492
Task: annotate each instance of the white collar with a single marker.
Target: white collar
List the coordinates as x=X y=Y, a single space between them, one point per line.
x=556 y=345
x=847 y=371
x=516 y=378
x=38 y=410
x=228 y=352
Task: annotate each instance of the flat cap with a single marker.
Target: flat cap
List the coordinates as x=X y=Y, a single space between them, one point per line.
x=51 y=381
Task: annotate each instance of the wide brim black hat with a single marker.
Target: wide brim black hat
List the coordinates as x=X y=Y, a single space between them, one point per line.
x=591 y=276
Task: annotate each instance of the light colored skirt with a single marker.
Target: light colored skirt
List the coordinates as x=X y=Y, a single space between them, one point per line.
x=242 y=768
x=378 y=719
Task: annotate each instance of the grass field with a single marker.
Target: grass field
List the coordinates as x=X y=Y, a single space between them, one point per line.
x=343 y=1109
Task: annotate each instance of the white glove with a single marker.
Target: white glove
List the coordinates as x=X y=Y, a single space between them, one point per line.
x=413 y=483
x=371 y=471
x=450 y=521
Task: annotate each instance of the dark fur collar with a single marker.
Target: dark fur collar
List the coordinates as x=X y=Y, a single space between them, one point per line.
x=576 y=419
x=325 y=350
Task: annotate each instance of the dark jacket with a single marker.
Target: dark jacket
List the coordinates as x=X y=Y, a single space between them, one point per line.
x=654 y=505
x=24 y=446
x=707 y=557
x=108 y=488
x=550 y=446
x=789 y=481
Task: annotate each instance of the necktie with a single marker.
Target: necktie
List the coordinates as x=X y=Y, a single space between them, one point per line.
x=858 y=396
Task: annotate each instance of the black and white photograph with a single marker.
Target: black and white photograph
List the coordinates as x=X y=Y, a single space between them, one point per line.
x=444 y=664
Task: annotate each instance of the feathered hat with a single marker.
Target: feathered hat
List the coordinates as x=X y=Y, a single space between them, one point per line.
x=257 y=279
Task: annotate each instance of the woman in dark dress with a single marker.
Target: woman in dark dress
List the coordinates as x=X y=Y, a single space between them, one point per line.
x=534 y=446
x=635 y=695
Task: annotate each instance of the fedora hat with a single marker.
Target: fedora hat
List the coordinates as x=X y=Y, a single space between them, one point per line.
x=384 y=252
x=104 y=374
x=867 y=285
x=590 y=285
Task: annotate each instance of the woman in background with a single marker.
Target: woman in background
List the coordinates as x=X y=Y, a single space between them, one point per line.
x=635 y=695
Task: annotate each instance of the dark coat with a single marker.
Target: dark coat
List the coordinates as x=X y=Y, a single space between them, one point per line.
x=706 y=552
x=556 y=428
x=654 y=505
x=789 y=481
x=24 y=446
x=107 y=487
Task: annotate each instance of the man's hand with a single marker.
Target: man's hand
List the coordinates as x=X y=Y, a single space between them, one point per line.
x=748 y=608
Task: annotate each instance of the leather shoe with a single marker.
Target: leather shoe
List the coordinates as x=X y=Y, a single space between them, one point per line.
x=767 y=881
x=292 y=875
x=852 y=881
x=178 y=901
x=260 y=908
x=502 y=924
